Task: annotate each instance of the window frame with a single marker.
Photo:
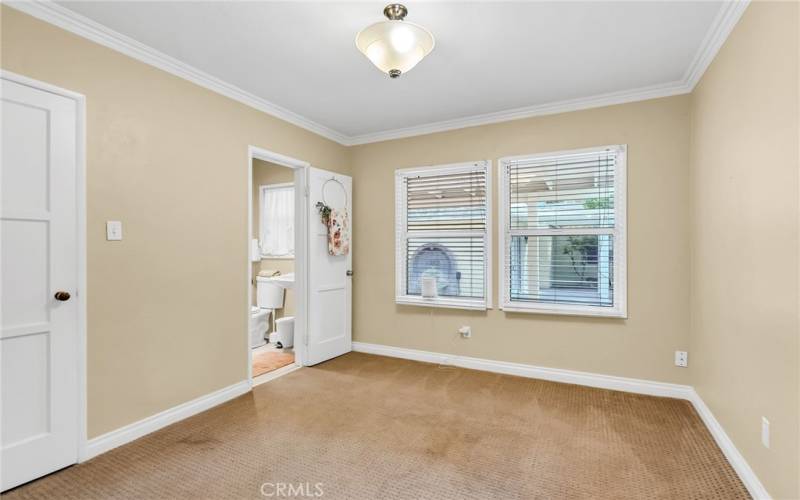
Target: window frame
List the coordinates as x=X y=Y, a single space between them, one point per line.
x=619 y=233
x=402 y=235
x=262 y=191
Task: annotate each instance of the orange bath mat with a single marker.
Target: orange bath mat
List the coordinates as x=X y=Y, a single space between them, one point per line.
x=267 y=361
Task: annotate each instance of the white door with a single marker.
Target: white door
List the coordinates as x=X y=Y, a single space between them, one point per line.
x=329 y=278
x=38 y=233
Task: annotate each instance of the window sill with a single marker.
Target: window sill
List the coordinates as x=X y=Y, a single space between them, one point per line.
x=565 y=310
x=277 y=257
x=413 y=300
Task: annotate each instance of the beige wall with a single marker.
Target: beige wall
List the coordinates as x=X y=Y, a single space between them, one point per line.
x=642 y=346
x=744 y=344
x=265 y=173
x=167 y=315
x=167 y=321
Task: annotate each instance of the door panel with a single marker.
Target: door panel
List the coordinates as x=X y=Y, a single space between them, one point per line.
x=25 y=264
x=330 y=290
x=25 y=180
x=39 y=337
x=28 y=358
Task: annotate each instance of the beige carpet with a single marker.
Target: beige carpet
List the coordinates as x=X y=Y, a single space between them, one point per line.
x=368 y=427
x=267 y=361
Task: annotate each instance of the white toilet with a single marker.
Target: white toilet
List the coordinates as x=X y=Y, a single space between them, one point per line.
x=269 y=296
x=259 y=324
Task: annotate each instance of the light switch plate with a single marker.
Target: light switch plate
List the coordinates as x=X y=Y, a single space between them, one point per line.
x=113 y=230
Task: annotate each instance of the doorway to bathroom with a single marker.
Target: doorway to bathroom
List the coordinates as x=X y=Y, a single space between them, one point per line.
x=275 y=217
x=273 y=257
x=299 y=275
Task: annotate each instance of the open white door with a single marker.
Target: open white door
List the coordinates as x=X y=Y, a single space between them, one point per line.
x=39 y=339
x=329 y=331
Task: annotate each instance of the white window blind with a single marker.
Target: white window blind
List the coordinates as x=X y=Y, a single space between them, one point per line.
x=442 y=233
x=564 y=233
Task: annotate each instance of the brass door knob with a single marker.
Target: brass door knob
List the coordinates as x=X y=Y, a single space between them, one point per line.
x=62 y=296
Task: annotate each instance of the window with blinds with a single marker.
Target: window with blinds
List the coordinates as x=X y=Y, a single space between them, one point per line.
x=442 y=235
x=563 y=219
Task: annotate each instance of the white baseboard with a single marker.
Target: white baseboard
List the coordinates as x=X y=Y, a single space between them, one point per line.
x=280 y=372
x=123 y=435
x=638 y=386
x=737 y=461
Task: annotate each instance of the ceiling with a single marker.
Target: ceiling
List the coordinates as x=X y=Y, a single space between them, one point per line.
x=492 y=60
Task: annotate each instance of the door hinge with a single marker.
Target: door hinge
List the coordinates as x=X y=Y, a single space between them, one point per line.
x=305 y=339
x=306 y=192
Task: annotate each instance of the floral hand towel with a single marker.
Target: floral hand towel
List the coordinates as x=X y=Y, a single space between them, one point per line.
x=338 y=233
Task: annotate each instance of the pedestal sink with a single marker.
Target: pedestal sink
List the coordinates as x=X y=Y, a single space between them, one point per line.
x=284 y=280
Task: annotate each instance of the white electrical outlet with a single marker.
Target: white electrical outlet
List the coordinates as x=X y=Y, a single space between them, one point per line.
x=681 y=359
x=465 y=331
x=765 y=432
x=113 y=230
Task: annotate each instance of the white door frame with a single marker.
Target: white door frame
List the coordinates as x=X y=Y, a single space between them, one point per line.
x=80 y=196
x=300 y=250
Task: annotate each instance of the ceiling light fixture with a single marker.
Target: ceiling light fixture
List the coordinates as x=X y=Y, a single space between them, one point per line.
x=395 y=46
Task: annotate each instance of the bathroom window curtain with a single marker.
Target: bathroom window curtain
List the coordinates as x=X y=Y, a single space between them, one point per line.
x=277 y=220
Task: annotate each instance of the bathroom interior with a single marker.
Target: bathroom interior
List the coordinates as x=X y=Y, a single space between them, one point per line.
x=273 y=261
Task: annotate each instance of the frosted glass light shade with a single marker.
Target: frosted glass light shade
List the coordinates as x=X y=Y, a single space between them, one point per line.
x=395 y=46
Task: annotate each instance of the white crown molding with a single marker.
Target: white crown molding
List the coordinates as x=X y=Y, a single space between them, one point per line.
x=73 y=22
x=637 y=386
x=723 y=24
x=718 y=32
x=640 y=94
x=50 y=12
